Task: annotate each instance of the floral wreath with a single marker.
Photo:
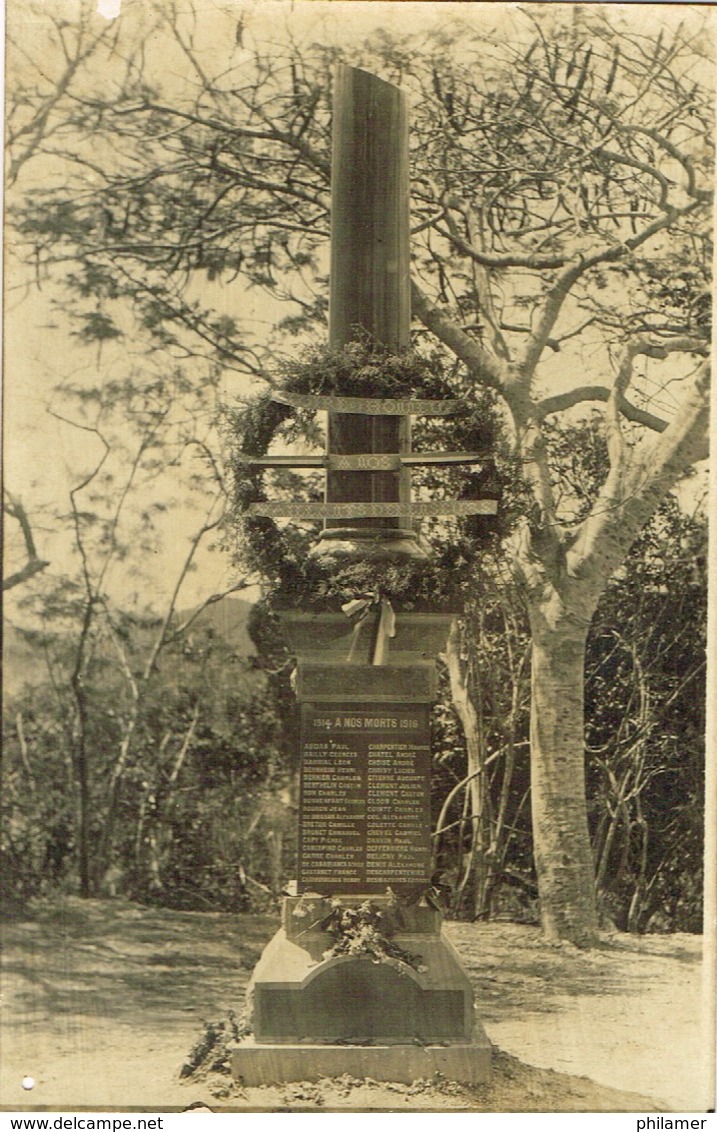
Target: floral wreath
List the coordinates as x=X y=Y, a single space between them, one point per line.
x=279 y=554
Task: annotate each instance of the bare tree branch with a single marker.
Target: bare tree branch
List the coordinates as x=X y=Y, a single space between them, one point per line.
x=34 y=564
x=561 y=401
x=481 y=364
x=37 y=128
x=499 y=261
x=624 y=505
x=180 y=629
x=558 y=293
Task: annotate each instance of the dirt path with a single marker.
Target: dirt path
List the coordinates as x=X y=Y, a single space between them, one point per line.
x=103 y=1000
x=633 y=1014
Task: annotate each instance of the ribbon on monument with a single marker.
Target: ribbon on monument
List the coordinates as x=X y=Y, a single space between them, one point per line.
x=357 y=610
x=385 y=631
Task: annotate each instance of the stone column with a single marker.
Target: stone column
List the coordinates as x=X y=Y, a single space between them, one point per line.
x=369 y=293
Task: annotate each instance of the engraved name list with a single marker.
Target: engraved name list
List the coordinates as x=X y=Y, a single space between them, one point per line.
x=365 y=798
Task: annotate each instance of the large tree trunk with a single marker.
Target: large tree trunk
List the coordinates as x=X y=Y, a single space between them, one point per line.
x=563 y=858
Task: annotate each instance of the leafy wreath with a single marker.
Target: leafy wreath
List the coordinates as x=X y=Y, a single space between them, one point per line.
x=279 y=554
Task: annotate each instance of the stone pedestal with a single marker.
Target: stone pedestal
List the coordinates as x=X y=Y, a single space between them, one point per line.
x=314 y=1013
x=314 y=1016
x=331 y=639
x=257 y=1063
x=297 y=995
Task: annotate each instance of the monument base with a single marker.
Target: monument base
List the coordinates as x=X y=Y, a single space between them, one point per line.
x=316 y=1014
x=257 y=1063
x=299 y=992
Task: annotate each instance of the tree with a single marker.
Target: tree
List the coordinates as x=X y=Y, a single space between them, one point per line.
x=645 y=709
x=33 y=564
x=644 y=715
x=191 y=826
x=636 y=167
x=561 y=183
x=487 y=661
x=85 y=633
x=146 y=437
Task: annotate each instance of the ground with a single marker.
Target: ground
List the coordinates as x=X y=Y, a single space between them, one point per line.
x=102 y=1001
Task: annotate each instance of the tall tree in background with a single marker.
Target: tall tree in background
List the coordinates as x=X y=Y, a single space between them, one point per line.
x=644 y=716
x=562 y=205
x=634 y=167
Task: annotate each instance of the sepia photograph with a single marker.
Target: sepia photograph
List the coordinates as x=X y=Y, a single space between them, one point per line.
x=356 y=504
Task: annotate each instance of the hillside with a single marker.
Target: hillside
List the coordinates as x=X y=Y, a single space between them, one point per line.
x=24 y=663
x=228 y=618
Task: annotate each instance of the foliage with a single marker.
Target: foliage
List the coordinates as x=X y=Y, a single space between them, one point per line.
x=211 y=1053
x=532 y=141
x=36 y=842
x=483 y=833
x=644 y=726
x=195 y=815
x=645 y=703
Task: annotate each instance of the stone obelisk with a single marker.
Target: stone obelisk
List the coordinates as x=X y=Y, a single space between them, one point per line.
x=364 y=821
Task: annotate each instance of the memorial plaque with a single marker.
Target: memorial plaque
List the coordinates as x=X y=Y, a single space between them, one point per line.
x=369 y=406
x=369 y=684
x=363 y=461
x=418 y=509
x=364 y=814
